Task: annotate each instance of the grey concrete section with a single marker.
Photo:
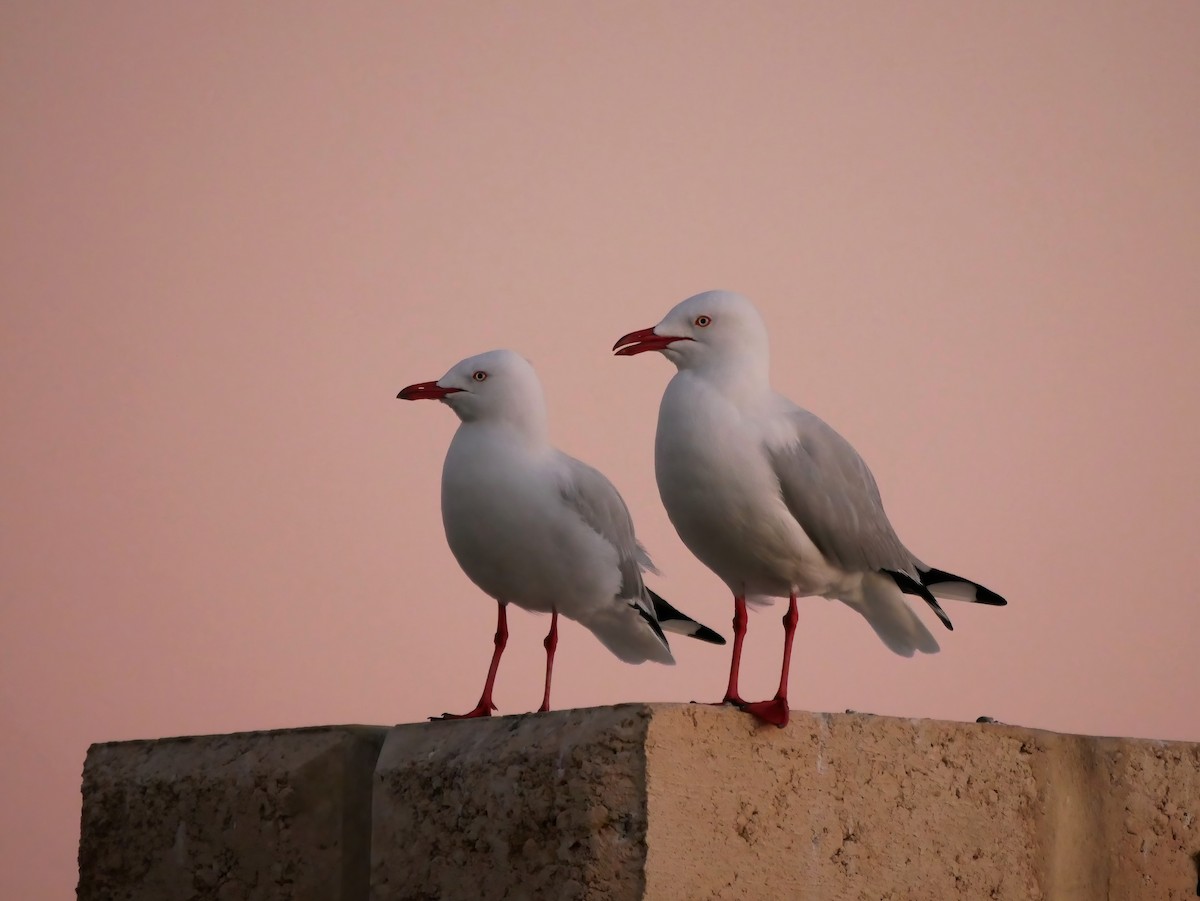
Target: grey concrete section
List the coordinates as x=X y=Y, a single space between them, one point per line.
x=528 y=807
x=256 y=815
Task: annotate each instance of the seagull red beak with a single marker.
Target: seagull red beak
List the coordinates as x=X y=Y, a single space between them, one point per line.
x=644 y=340
x=426 y=391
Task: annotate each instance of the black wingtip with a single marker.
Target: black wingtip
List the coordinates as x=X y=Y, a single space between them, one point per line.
x=909 y=585
x=704 y=633
x=989 y=597
x=668 y=614
x=982 y=595
x=662 y=609
x=665 y=612
x=652 y=622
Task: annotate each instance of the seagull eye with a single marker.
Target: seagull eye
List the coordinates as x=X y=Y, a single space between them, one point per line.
x=704 y=321
x=479 y=375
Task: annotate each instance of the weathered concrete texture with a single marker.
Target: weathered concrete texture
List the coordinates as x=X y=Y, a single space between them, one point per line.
x=863 y=807
x=655 y=802
x=263 y=815
x=548 y=806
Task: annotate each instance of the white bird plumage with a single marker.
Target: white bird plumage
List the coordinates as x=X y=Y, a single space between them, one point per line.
x=537 y=528
x=769 y=496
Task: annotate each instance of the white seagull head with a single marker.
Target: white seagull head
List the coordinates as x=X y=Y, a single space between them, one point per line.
x=496 y=386
x=711 y=329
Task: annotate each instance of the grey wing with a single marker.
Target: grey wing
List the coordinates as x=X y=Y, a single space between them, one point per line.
x=831 y=492
x=600 y=505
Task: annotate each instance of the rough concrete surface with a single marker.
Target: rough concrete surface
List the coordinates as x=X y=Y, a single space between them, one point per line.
x=862 y=807
x=544 y=806
x=263 y=815
x=656 y=802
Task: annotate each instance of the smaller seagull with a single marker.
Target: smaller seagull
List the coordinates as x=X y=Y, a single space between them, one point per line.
x=770 y=497
x=535 y=527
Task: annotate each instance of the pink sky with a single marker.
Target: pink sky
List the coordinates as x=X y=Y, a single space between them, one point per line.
x=232 y=234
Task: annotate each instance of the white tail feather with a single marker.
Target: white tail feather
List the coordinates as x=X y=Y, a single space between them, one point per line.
x=623 y=631
x=884 y=608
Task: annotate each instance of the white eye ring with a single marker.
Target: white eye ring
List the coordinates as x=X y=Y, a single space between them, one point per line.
x=479 y=375
x=704 y=321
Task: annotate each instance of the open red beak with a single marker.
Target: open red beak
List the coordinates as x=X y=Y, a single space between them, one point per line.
x=644 y=340
x=426 y=391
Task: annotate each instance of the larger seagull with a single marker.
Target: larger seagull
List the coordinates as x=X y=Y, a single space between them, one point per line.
x=535 y=527
x=770 y=497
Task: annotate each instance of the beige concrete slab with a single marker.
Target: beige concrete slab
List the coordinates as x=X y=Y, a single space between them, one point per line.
x=864 y=807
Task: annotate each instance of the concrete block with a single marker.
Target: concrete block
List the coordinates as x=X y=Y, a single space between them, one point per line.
x=264 y=815
x=865 y=807
x=686 y=802
x=528 y=807
x=659 y=802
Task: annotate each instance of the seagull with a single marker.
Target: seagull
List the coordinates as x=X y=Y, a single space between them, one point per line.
x=535 y=527
x=770 y=497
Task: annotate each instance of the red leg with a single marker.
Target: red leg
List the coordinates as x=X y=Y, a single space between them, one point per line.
x=775 y=711
x=485 y=705
x=735 y=663
x=549 y=644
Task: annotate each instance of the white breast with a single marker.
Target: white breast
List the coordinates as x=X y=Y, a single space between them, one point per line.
x=722 y=495
x=507 y=526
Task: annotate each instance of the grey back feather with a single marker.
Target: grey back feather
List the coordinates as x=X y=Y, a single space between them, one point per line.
x=832 y=494
x=600 y=505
